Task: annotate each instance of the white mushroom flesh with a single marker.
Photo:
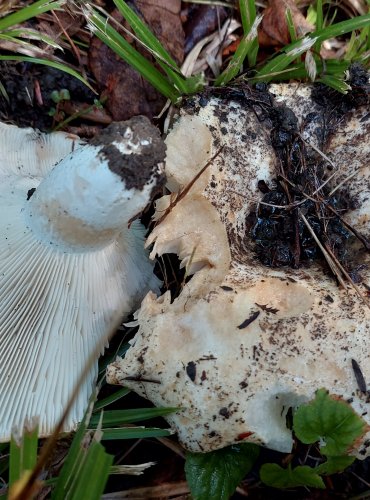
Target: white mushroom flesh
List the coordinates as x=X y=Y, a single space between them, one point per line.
x=243 y=342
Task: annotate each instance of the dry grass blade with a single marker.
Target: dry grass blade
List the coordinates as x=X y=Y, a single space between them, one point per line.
x=331 y=262
x=342 y=182
x=172 y=445
x=348 y=277
x=354 y=231
x=320 y=200
x=334 y=264
x=165 y=490
x=7 y=6
x=71 y=42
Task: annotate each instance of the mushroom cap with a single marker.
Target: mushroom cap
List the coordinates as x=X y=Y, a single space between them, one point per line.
x=243 y=342
x=61 y=297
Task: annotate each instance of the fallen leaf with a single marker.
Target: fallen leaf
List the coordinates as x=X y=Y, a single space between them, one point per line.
x=274 y=28
x=163 y=18
x=128 y=94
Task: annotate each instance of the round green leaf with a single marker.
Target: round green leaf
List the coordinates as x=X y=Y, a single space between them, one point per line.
x=217 y=474
x=330 y=421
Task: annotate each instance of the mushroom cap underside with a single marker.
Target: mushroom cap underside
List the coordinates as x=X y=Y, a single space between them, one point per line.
x=56 y=306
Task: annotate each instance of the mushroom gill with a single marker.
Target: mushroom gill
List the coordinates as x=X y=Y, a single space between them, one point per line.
x=71 y=267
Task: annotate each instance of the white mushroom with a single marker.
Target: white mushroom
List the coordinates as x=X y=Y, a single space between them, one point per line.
x=244 y=342
x=70 y=265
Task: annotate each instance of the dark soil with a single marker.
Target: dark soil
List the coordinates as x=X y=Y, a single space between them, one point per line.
x=25 y=83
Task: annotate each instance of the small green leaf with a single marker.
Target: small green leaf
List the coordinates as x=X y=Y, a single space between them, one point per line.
x=55 y=96
x=334 y=465
x=329 y=420
x=65 y=95
x=277 y=477
x=217 y=474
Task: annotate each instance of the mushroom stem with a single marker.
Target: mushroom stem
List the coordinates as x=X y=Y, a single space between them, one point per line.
x=90 y=196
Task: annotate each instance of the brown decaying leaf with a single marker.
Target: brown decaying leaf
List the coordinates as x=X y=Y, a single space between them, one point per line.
x=274 y=29
x=127 y=92
x=95 y=114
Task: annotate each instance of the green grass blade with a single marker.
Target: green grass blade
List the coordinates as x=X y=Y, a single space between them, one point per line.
x=118 y=417
x=341 y=28
x=31 y=34
x=298 y=72
x=282 y=61
x=52 y=64
x=241 y=52
x=93 y=474
x=99 y=405
x=15 y=460
x=335 y=82
x=134 y=433
x=29 y=448
x=74 y=458
x=150 y=41
x=248 y=14
x=319 y=16
x=145 y=35
x=290 y=24
x=123 y=49
x=23 y=451
x=291 y=51
x=23 y=44
x=28 y=12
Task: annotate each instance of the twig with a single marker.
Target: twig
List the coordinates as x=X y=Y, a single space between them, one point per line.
x=332 y=264
x=342 y=182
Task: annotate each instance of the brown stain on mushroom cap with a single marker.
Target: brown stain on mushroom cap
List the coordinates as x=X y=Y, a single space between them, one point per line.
x=143 y=148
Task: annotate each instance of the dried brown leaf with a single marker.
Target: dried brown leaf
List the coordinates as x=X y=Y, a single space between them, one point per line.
x=274 y=28
x=127 y=93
